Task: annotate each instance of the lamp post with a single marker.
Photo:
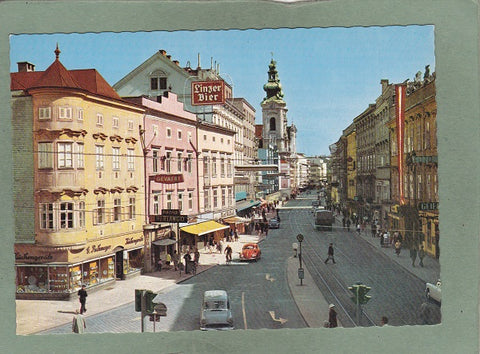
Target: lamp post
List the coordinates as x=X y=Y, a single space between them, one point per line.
x=300 y=270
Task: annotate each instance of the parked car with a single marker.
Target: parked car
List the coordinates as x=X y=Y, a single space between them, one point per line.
x=216 y=313
x=250 y=251
x=434 y=291
x=274 y=223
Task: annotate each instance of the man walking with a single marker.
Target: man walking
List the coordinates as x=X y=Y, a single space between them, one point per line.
x=332 y=316
x=82 y=297
x=413 y=255
x=228 y=252
x=421 y=255
x=330 y=254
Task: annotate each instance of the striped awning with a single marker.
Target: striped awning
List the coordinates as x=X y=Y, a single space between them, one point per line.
x=204 y=228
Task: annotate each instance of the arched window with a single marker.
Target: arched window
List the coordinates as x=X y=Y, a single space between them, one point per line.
x=272 y=124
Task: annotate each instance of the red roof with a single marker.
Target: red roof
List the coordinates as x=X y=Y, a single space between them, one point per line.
x=58 y=76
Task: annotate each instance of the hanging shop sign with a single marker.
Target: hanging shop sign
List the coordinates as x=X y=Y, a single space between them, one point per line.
x=208 y=92
x=168 y=179
x=169 y=218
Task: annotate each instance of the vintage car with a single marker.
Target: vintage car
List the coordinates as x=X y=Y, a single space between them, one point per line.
x=273 y=223
x=250 y=251
x=216 y=313
x=434 y=291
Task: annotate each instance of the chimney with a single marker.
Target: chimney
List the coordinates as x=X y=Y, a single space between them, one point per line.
x=176 y=62
x=198 y=67
x=384 y=83
x=163 y=52
x=169 y=57
x=25 y=66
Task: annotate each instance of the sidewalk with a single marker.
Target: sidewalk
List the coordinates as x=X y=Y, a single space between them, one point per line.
x=429 y=273
x=34 y=316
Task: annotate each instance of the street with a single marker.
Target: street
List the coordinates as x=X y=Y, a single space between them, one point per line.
x=259 y=291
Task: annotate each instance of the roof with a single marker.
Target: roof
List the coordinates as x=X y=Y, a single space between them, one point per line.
x=57 y=76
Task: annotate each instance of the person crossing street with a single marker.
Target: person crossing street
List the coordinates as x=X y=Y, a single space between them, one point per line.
x=330 y=254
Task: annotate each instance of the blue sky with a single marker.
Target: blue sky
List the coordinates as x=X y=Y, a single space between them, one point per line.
x=328 y=75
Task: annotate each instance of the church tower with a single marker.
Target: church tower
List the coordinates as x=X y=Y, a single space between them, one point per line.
x=274 y=112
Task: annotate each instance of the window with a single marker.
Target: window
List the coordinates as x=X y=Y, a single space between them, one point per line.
x=215 y=198
x=116 y=158
x=224 y=197
x=189 y=163
x=168 y=157
x=131 y=159
x=156 y=207
x=205 y=166
x=46 y=216
x=155 y=130
x=273 y=124
x=99 y=216
x=213 y=138
x=65 y=157
x=206 y=199
x=66 y=215
x=65 y=113
x=179 y=134
x=180 y=201
x=115 y=122
x=190 y=200
x=158 y=83
x=230 y=196
x=155 y=155
x=45 y=155
x=80 y=155
x=169 y=200
x=179 y=161
x=130 y=125
x=169 y=132
x=214 y=166
x=204 y=137
x=81 y=214
x=222 y=166
x=80 y=114
x=131 y=208
x=44 y=113
x=99 y=119
x=117 y=209
x=99 y=157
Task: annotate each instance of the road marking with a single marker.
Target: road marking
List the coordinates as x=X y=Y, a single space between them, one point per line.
x=281 y=320
x=268 y=277
x=243 y=309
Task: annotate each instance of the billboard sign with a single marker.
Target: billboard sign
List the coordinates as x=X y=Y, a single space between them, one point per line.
x=208 y=92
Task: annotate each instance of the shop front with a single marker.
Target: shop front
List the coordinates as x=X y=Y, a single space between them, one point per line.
x=57 y=273
x=199 y=235
x=430 y=230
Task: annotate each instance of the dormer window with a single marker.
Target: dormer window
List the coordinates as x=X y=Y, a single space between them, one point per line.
x=158 y=81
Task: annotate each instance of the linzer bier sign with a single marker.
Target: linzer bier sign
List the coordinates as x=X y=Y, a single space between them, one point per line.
x=167 y=179
x=208 y=92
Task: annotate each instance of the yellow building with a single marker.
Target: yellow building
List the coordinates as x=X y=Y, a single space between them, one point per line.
x=79 y=196
x=351 y=162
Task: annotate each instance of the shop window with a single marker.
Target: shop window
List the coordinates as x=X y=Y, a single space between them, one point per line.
x=33 y=279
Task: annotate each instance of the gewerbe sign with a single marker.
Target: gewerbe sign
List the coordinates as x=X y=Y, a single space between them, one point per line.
x=208 y=92
x=168 y=179
x=169 y=218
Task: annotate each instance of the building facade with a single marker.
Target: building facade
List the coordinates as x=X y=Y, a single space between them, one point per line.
x=79 y=195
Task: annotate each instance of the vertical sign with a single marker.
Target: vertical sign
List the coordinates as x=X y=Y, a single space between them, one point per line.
x=400 y=119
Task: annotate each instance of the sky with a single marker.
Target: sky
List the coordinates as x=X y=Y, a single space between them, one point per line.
x=328 y=75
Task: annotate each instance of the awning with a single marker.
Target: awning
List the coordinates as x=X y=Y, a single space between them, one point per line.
x=204 y=228
x=243 y=205
x=164 y=242
x=236 y=220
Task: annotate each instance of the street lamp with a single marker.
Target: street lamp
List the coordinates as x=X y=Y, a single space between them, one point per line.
x=301 y=273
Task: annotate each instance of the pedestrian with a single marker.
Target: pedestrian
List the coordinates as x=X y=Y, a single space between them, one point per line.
x=228 y=252
x=348 y=225
x=374 y=230
x=196 y=256
x=413 y=255
x=236 y=235
x=332 y=316
x=330 y=254
x=168 y=260
x=358 y=229
x=159 y=265
x=219 y=247
x=175 y=259
x=78 y=323
x=82 y=297
x=384 y=321
x=421 y=255
x=187 y=258
x=398 y=247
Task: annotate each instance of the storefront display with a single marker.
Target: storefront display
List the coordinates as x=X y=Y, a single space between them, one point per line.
x=58 y=279
x=32 y=279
